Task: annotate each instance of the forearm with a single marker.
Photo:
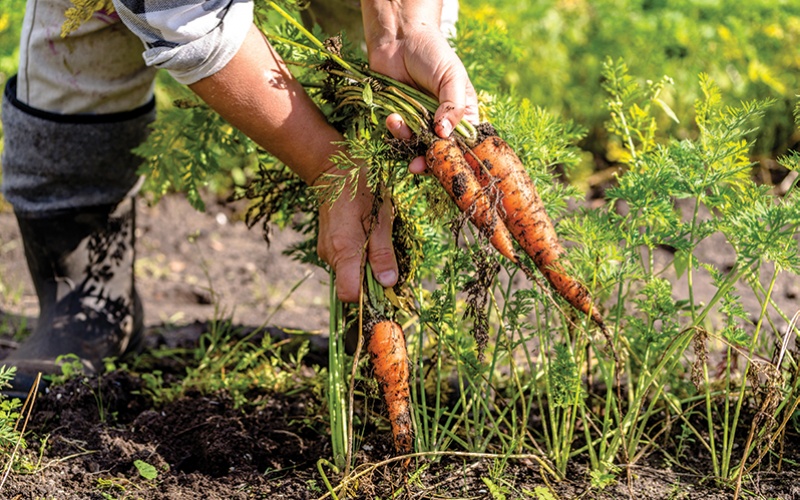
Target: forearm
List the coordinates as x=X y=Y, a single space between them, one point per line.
x=256 y=93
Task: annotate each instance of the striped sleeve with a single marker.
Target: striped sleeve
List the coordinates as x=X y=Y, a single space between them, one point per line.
x=192 y=39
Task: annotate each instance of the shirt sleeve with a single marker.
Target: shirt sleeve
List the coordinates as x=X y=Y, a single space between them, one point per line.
x=192 y=39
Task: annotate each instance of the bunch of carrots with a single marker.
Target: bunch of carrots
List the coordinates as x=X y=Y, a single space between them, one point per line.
x=489 y=183
x=486 y=180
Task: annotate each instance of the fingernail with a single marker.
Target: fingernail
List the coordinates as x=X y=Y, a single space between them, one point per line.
x=445 y=127
x=387 y=278
x=395 y=124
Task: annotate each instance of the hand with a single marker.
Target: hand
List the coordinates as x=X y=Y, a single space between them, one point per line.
x=343 y=229
x=423 y=57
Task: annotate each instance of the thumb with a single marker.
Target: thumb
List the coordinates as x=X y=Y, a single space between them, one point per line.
x=380 y=251
x=456 y=98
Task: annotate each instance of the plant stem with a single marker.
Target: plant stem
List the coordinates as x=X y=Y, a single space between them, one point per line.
x=743 y=388
x=336 y=391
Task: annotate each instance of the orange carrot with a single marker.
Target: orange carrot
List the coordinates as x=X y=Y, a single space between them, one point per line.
x=447 y=163
x=387 y=353
x=522 y=210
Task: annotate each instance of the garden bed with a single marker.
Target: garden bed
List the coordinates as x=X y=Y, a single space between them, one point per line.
x=202 y=445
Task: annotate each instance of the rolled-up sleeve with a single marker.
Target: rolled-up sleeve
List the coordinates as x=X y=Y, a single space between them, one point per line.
x=192 y=39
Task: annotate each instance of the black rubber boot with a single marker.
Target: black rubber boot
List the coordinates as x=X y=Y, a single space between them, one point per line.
x=71 y=179
x=81 y=262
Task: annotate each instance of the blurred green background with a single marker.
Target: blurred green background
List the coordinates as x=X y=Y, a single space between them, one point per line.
x=552 y=52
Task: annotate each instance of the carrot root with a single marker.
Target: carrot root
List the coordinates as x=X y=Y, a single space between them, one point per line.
x=389 y=359
x=522 y=210
x=447 y=163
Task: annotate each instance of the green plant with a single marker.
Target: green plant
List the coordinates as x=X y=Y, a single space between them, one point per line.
x=117 y=485
x=226 y=360
x=14 y=415
x=70 y=366
x=496 y=491
x=313 y=487
x=336 y=387
x=10 y=30
x=231 y=359
x=560 y=47
x=540 y=493
x=226 y=159
x=146 y=470
x=9 y=413
x=499 y=370
x=713 y=172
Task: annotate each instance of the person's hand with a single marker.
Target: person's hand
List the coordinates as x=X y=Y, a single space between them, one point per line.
x=422 y=57
x=342 y=243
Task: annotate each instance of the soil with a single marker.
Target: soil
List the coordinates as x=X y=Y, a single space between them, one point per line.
x=194 y=267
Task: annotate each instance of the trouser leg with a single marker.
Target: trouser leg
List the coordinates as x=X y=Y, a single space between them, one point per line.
x=97 y=69
x=70 y=119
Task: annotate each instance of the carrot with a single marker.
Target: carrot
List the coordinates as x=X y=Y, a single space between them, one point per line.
x=522 y=211
x=387 y=353
x=447 y=163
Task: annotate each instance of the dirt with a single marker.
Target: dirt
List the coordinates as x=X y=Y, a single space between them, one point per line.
x=87 y=435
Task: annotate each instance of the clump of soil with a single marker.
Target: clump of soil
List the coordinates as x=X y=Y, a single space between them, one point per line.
x=199 y=444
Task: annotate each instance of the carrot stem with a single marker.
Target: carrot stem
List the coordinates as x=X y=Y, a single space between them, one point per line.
x=406 y=93
x=311 y=38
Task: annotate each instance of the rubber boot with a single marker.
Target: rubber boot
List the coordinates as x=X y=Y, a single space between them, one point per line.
x=81 y=263
x=71 y=180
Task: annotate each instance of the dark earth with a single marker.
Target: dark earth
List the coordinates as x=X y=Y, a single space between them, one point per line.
x=194 y=267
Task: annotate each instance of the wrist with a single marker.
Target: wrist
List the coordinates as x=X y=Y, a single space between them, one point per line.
x=318 y=160
x=320 y=177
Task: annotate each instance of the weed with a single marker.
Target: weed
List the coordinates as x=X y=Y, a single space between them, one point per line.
x=603 y=477
x=497 y=492
x=70 y=366
x=109 y=485
x=313 y=487
x=10 y=412
x=146 y=470
x=227 y=359
x=540 y=493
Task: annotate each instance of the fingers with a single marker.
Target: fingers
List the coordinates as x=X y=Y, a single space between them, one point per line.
x=343 y=240
x=345 y=259
x=418 y=166
x=471 y=111
x=457 y=100
x=380 y=251
x=398 y=128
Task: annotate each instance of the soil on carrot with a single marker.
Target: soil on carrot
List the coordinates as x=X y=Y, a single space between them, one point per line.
x=105 y=437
